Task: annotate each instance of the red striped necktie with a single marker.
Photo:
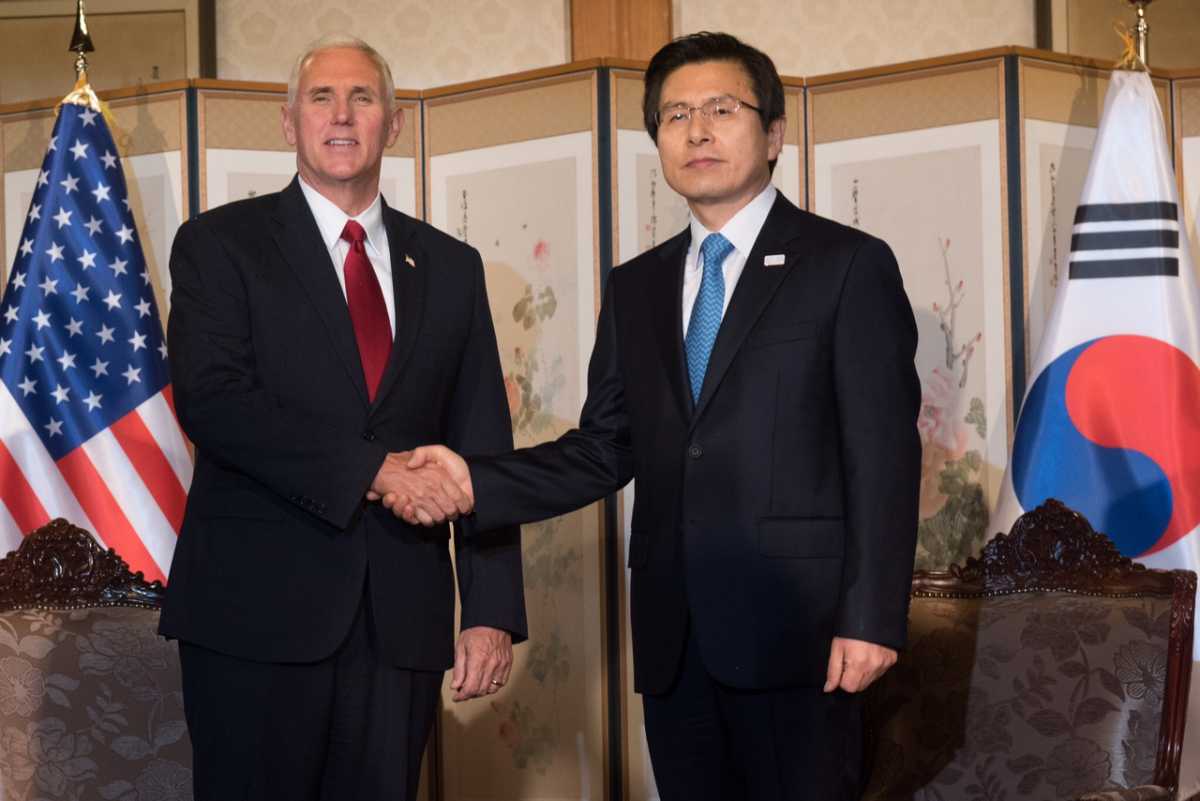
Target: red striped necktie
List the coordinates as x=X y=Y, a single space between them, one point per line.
x=368 y=312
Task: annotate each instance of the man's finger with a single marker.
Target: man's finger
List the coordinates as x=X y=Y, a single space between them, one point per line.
x=833 y=674
x=459 y=673
x=372 y=495
x=419 y=457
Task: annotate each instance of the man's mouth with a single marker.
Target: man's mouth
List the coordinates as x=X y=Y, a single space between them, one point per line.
x=341 y=142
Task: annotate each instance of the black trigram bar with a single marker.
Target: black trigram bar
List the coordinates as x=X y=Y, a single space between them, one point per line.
x=1115 y=240
x=1124 y=268
x=1123 y=212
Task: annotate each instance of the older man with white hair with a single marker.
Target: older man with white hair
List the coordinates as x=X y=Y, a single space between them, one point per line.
x=315 y=336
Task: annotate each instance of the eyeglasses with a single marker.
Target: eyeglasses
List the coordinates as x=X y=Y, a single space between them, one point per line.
x=718 y=109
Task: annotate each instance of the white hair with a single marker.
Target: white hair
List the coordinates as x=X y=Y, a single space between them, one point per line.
x=338 y=41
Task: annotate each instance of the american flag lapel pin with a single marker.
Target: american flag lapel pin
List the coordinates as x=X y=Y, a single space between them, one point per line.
x=409 y=260
x=774 y=260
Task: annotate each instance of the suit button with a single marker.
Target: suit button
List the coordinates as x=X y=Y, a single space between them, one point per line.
x=368 y=435
x=695 y=451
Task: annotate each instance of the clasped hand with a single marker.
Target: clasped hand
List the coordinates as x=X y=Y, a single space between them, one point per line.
x=425 y=486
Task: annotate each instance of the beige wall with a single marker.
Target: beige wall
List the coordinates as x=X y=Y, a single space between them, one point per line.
x=427 y=42
x=815 y=37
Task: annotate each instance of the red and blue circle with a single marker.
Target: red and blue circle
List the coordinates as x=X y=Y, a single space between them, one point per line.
x=1112 y=429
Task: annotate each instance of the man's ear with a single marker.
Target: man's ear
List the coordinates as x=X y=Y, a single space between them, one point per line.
x=395 y=125
x=775 y=132
x=288 y=124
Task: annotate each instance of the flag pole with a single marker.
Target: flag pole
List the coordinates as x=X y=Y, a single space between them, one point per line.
x=81 y=45
x=1141 y=31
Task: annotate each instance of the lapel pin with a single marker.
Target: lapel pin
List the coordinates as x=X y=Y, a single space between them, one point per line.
x=409 y=260
x=774 y=260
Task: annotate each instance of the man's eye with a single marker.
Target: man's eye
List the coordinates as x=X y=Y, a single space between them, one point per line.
x=677 y=116
x=722 y=111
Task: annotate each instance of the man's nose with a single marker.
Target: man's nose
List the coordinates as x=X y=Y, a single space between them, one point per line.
x=343 y=111
x=698 y=131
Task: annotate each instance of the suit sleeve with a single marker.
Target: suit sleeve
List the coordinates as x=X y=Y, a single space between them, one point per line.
x=580 y=467
x=878 y=398
x=491 y=586
x=313 y=463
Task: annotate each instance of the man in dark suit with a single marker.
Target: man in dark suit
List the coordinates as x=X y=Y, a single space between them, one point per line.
x=315 y=334
x=755 y=376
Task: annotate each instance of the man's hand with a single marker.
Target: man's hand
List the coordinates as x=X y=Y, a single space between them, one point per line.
x=434 y=457
x=482 y=661
x=855 y=664
x=428 y=496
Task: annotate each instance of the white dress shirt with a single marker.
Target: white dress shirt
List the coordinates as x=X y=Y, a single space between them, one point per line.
x=331 y=220
x=742 y=232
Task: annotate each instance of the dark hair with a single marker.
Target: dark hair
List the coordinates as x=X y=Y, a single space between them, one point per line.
x=707 y=46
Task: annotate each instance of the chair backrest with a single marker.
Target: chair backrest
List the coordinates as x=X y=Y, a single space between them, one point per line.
x=1049 y=667
x=90 y=701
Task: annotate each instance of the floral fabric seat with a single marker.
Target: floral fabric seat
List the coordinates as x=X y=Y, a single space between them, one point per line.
x=90 y=700
x=1051 y=669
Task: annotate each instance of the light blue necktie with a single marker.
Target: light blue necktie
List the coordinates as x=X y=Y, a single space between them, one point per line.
x=706 y=311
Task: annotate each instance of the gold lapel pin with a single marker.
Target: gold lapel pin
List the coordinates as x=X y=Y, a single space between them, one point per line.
x=774 y=260
x=409 y=260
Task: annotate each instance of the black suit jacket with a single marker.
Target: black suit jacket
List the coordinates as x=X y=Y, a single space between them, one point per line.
x=277 y=540
x=779 y=510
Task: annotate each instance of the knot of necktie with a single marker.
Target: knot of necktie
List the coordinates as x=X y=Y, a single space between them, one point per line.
x=354 y=233
x=714 y=249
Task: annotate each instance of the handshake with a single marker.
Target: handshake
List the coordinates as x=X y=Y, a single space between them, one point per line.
x=425 y=486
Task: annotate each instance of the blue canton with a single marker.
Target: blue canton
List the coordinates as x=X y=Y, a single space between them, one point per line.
x=706 y=311
x=81 y=343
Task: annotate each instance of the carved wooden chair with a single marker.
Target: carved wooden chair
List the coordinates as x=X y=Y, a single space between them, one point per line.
x=1051 y=667
x=90 y=701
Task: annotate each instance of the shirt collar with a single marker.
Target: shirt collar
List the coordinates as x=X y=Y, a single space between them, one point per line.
x=331 y=220
x=743 y=228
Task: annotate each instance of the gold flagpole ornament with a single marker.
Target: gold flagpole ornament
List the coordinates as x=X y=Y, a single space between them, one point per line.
x=1137 y=41
x=81 y=43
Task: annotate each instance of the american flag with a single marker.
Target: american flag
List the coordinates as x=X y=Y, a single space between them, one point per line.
x=87 y=428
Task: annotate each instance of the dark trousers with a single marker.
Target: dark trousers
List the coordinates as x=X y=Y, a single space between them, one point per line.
x=710 y=742
x=347 y=728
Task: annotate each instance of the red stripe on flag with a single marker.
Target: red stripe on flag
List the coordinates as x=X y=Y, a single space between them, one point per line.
x=18 y=496
x=105 y=513
x=151 y=464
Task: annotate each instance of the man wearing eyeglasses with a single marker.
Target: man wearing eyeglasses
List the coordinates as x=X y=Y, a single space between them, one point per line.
x=755 y=375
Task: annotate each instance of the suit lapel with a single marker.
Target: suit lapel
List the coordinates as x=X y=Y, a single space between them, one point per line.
x=665 y=295
x=299 y=240
x=409 y=267
x=754 y=291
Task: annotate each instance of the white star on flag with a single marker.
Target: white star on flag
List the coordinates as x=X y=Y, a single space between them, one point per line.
x=27 y=386
x=54 y=427
x=67 y=360
x=93 y=225
x=163 y=349
x=34 y=353
x=27 y=247
x=55 y=252
x=133 y=375
x=80 y=293
x=35 y=212
x=113 y=300
x=99 y=368
x=42 y=319
x=18 y=280
x=118 y=267
x=125 y=233
x=5 y=346
x=101 y=193
x=143 y=308
x=10 y=314
x=63 y=218
x=106 y=334
x=79 y=150
x=87 y=259
x=49 y=286
x=60 y=393
x=93 y=401
x=88 y=116
x=138 y=340
x=43 y=178
x=109 y=160
x=70 y=183
x=74 y=328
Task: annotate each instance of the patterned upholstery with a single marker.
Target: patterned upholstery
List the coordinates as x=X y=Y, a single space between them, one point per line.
x=90 y=701
x=1031 y=688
